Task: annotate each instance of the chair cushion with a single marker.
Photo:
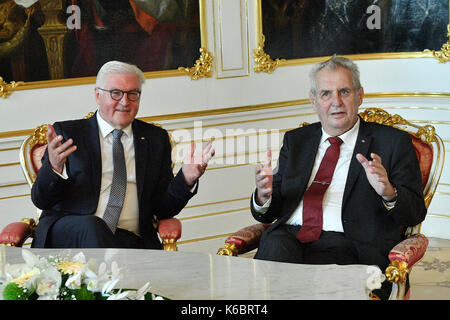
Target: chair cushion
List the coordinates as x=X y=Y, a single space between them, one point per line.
x=424 y=154
x=247 y=239
x=170 y=228
x=410 y=250
x=16 y=233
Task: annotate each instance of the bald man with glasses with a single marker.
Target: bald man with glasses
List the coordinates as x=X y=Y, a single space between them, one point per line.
x=103 y=179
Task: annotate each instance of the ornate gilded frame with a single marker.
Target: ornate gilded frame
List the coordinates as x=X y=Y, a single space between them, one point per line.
x=265 y=63
x=201 y=68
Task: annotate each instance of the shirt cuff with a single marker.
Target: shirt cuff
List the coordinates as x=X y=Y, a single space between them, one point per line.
x=191 y=189
x=389 y=205
x=261 y=209
x=63 y=175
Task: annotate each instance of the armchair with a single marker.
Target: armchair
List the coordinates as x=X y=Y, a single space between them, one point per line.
x=31 y=151
x=429 y=149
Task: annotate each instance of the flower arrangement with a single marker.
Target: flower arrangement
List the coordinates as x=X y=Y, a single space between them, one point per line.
x=65 y=278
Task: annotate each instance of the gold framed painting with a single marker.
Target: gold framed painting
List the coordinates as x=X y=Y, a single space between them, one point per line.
x=306 y=31
x=47 y=43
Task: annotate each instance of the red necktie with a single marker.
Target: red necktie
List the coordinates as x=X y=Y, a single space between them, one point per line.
x=313 y=198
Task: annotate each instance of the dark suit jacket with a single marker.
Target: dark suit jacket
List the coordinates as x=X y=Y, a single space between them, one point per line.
x=159 y=192
x=373 y=229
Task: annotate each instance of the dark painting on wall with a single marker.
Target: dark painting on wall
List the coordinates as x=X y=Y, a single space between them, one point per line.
x=61 y=39
x=295 y=29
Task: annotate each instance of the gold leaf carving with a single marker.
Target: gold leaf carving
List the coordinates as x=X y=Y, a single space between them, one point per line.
x=202 y=67
x=6 y=88
x=442 y=55
x=263 y=61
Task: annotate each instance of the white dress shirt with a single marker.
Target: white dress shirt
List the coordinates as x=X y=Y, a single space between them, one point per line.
x=130 y=212
x=332 y=201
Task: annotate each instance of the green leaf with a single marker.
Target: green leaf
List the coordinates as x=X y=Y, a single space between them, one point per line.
x=13 y=291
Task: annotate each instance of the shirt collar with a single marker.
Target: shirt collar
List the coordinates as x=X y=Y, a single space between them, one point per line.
x=347 y=137
x=106 y=128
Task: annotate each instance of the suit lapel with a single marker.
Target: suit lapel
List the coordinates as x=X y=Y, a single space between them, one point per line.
x=362 y=146
x=141 y=148
x=304 y=160
x=92 y=142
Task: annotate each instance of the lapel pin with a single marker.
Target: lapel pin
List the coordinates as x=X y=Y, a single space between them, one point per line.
x=363 y=141
x=142 y=138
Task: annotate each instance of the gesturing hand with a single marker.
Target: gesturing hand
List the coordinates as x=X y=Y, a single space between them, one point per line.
x=263 y=180
x=195 y=165
x=377 y=176
x=57 y=151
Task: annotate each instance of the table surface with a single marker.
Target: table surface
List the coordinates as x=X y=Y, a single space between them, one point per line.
x=202 y=276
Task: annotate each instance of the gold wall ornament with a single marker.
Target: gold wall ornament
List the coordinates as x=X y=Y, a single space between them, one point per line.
x=6 y=88
x=442 y=55
x=202 y=66
x=263 y=61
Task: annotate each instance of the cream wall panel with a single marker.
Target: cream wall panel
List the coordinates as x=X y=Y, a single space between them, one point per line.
x=14 y=209
x=11 y=174
x=231 y=38
x=436 y=227
x=220 y=206
x=208 y=245
x=211 y=226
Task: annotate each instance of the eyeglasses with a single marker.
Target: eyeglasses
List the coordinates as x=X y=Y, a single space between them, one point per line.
x=116 y=94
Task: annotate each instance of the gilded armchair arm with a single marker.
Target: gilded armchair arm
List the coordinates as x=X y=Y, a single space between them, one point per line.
x=244 y=240
x=404 y=256
x=15 y=233
x=170 y=231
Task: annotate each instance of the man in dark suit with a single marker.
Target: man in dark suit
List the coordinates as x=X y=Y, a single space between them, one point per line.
x=73 y=186
x=367 y=201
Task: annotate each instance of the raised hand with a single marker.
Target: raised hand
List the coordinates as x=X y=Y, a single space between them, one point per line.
x=57 y=151
x=195 y=165
x=377 y=176
x=263 y=180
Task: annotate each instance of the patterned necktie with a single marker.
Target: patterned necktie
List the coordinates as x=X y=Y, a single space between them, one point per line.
x=119 y=183
x=312 y=200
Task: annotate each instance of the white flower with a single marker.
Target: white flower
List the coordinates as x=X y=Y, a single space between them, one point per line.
x=140 y=294
x=113 y=278
x=120 y=296
x=44 y=277
x=48 y=283
x=30 y=259
x=108 y=286
x=74 y=281
x=375 y=278
x=131 y=294
x=95 y=281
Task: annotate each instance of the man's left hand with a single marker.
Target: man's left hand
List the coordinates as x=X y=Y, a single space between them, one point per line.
x=377 y=176
x=195 y=165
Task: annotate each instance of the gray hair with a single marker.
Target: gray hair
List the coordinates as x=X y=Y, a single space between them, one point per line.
x=332 y=64
x=118 y=67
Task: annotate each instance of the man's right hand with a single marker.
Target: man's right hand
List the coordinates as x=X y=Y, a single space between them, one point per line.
x=264 y=179
x=57 y=151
